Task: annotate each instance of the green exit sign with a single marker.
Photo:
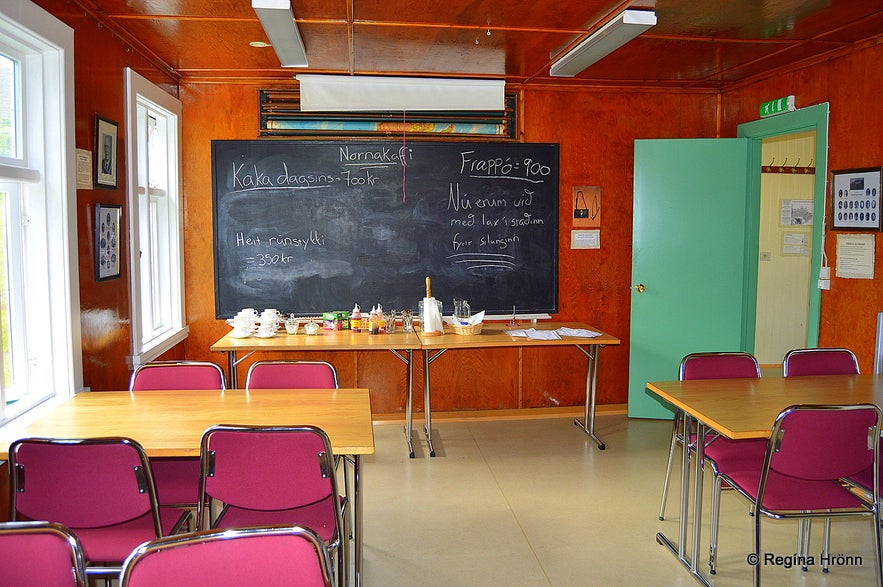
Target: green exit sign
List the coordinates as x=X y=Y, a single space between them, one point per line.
x=772 y=107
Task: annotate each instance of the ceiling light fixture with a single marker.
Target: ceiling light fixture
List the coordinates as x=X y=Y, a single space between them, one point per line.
x=278 y=21
x=627 y=25
x=330 y=93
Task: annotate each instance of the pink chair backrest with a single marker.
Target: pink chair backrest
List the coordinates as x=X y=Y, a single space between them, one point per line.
x=825 y=442
x=40 y=553
x=291 y=557
x=177 y=375
x=267 y=468
x=719 y=366
x=291 y=375
x=821 y=361
x=81 y=484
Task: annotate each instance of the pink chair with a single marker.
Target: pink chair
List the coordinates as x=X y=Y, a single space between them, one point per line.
x=177 y=375
x=810 y=449
x=40 y=553
x=100 y=488
x=260 y=476
x=291 y=375
x=820 y=361
x=177 y=478
x=713 y=365
x=295 y=375
x=276 y=556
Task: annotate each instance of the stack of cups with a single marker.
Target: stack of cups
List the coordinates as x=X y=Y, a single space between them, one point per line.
x=269 y=322
x=243 y=322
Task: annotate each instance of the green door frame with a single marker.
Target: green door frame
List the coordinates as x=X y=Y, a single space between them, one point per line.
x=813 y=118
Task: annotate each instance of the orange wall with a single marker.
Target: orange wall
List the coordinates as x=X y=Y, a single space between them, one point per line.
x=99 y=59
x=853 y=86
x=596 y=130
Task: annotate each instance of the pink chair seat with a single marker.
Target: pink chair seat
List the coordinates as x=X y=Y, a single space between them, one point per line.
x=177 y=480
x=115 y=543
x=783 y=492
x=314 y=517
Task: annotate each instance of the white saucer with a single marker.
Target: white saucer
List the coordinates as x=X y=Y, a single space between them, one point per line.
x=265 y=335
x=239 y=335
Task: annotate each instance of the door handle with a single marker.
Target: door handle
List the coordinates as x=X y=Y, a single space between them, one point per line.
x=639 y=288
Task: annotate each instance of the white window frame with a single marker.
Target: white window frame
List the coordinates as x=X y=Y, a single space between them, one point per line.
x=44 y=174
x=149 y=343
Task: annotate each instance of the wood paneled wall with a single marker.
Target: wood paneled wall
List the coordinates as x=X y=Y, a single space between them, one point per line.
x=595 y=128
x=853 y=87
x=99 y=62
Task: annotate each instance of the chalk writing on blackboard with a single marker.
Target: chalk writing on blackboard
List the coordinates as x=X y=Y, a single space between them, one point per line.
x=312 y=226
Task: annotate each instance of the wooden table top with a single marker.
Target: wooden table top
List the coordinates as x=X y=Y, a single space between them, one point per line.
x=493 y=334
x=325 y=340
x=747 y=408
x=171 y=423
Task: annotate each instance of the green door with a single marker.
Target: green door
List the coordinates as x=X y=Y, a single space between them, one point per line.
x=688 y=258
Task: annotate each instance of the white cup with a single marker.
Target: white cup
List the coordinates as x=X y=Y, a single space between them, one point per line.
x=266 y=331
x=241 y=332
x=248 y=313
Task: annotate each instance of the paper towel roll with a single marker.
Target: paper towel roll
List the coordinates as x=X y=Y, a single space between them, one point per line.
x=432 y=320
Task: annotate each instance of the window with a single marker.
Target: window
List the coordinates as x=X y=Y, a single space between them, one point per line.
x=39 y=299
x=155 y=215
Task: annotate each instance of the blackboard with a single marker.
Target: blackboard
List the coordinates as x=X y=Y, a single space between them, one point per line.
x=312 y=226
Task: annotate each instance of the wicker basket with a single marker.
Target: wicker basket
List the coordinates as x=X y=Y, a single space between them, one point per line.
x=470 y=329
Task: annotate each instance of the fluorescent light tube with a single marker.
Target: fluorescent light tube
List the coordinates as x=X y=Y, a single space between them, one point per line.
x=278 y=22
x=626 y=26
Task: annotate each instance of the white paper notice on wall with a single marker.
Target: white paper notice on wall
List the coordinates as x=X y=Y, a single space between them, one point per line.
x=855 y=256
x=585 y=239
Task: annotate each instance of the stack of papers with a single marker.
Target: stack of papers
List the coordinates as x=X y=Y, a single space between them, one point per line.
x=535 y=334
x=578 y=332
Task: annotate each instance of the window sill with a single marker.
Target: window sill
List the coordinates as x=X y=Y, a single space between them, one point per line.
x=158 y=347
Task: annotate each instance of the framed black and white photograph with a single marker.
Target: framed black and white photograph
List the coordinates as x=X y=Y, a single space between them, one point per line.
x=855 y=199
x=105 y=152
x=107 y=241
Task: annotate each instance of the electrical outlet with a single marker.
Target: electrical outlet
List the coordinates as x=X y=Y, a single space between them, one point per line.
x=824 y=284
x=824 y=273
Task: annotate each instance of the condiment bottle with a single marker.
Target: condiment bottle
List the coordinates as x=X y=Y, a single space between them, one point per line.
x=356 y=319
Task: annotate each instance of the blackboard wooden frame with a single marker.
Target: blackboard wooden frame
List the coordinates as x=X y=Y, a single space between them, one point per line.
x=314 y=226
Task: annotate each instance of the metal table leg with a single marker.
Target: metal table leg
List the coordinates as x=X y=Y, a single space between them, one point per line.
x=232 y=362
x=357 y=520
x=588 y=423
x=428 y=358
x=680 y=549
x=409 y=404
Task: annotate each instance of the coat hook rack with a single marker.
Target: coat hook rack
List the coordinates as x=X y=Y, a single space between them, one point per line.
x=795 y=169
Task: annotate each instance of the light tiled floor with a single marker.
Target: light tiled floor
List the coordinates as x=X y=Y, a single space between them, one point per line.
x=532 y=503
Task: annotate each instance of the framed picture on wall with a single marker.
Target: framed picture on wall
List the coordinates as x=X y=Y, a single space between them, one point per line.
x=855 y=199
x=107 y=241
x=105 y=153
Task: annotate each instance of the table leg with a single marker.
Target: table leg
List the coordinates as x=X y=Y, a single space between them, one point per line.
x=679 y=549
x=427 y=410
x=409 y=403
x=357 y=521
x=232 y=362
x=231 y=369
x=587 y=425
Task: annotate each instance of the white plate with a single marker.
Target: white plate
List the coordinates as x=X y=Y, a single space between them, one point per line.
x=239 y=335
